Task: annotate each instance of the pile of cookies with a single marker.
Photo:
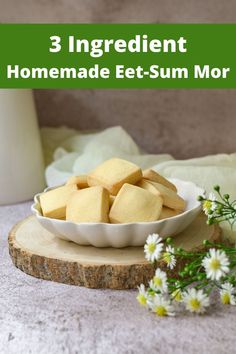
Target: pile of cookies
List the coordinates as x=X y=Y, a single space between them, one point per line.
x=117 y=191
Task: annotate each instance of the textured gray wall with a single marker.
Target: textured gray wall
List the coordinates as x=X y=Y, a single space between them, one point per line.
x=183 y=122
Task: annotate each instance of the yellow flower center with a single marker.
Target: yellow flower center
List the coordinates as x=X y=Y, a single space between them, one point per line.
x=225 y=298
x=195 y=304
x=151 y=247
x=167 y=257
x=215 y=264
x=142 y=299
x=157 y=281
x=177 y=296
x=161 y=311
x=207 y=205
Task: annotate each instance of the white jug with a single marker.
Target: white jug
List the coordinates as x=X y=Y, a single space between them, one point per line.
x=21 y=157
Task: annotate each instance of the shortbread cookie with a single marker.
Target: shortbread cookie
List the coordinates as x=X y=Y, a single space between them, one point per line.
x=53 y=203
x=155 y=177
x=113 y=173
x=88 y=205
x=170 y=198
x=168 y=213
x=81 y=181
x=134 y=204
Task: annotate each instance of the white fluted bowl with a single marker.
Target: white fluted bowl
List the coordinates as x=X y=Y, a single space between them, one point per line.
x=124 y=235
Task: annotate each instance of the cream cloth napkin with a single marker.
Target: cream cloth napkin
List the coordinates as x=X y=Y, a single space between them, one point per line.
x=70 y=152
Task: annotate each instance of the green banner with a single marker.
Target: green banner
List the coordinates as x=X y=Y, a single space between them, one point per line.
x=117 y=56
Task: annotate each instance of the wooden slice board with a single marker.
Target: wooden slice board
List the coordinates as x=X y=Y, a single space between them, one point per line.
x=39 y=253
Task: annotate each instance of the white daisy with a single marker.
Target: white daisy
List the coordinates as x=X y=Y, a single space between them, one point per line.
x=195 y=300
x=153 y=247
x=169 y=257
x=227 y=294
x=159 y=281
x=161 y=306
x=216 y=264
x=142 y=295
x=209 y=205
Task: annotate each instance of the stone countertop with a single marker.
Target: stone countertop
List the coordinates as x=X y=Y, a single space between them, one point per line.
x=38 y=316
